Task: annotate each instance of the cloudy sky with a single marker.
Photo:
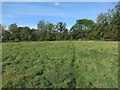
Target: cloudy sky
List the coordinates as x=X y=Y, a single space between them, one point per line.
x=30 y=13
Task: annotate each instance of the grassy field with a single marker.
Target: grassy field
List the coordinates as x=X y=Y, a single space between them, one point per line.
x=60 y=64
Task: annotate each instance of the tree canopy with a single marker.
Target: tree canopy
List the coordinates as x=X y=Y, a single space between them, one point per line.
x=106 y=28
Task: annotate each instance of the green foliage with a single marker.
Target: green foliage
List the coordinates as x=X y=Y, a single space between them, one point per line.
x=106 y=28
x=6 y=35
x=12 y=28
x=41 y=25
x=17 y=40
x=81 y=28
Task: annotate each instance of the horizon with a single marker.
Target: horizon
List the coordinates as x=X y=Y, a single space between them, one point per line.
x=30 y=13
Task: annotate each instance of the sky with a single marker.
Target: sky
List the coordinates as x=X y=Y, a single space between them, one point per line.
x=30 y=13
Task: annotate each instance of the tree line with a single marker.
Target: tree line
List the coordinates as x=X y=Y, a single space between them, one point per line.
x=106 y=28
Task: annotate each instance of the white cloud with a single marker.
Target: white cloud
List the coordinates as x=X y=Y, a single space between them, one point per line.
x=57 y=3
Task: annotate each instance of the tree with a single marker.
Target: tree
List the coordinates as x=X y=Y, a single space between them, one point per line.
x=60 y=27
x=25 y=33
x=42 y=30
x=49 y=28
x=108 y=24
x=65 y=34
x=81 y=28
x=106 y=28
x=12 y=28
x=41 y=25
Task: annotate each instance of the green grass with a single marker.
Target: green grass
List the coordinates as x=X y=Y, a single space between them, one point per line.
x=60 y=64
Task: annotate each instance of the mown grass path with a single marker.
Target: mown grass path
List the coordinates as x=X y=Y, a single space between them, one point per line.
x=59 y=64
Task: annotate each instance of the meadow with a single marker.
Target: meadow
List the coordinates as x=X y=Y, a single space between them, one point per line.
x=60 y=64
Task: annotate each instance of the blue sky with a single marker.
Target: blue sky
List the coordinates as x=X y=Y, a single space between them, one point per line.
x=30 y=13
